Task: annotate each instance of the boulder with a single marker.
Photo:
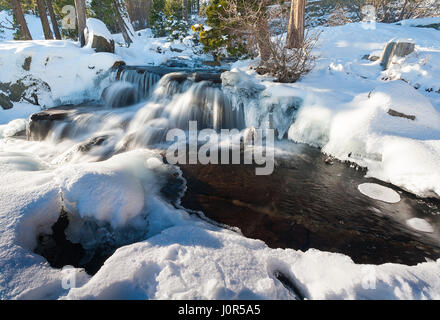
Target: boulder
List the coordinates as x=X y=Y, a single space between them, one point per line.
x=27 y=89
x=396 y=48
x=5 y=102
x=98 y=37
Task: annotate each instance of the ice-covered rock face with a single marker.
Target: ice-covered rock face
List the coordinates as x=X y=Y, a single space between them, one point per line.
x=264 y=108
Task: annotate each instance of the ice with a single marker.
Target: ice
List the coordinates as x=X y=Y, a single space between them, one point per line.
x=378 y=192
x=420 y=225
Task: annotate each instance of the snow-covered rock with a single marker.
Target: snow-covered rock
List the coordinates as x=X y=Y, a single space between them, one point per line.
x=98 y=37
x=71 y=73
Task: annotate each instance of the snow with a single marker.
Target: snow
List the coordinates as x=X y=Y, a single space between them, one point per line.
x=12 y=128
x=71 y=72
x=213 y=264
x=98 y=28
x=419 y=22
x=119 y=196
x=378 y=192
x=167 y=253
x=34 y=25
x=147 y=50
x=420 y=225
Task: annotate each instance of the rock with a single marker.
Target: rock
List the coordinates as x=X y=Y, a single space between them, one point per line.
x=5 y=103
x=400 y=48
x=173 y=49
x=394 y=113
x=101 y=44
x=27 y=89
x=329 y=160
x=27 y=63
x=370 y=57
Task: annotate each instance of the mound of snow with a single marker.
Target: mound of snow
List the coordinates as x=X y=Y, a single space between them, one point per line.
x=12 y=128
x=97 y=27
x=214 y=264
x=378 y=192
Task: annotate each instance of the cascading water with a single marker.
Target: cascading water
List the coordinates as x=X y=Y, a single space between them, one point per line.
x=129 y=87
x=171 y=103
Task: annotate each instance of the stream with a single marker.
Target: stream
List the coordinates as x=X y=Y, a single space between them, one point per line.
x=306 y=203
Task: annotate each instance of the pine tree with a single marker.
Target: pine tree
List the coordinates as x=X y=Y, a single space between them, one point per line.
x=81 y=20
x=44 y=21
x=19 y=17
x=56 y=29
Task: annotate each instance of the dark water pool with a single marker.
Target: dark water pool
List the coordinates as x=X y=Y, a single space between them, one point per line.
x=307 y=203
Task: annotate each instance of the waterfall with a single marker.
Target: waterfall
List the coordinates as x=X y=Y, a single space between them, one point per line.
x=129 y=86
x=171 y=102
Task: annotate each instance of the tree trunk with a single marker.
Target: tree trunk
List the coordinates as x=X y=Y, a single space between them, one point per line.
x=185 y=10
x=80 y=6
x=53 y=18
x=139 y=12
x=44 y=21
x=295 y=33
x=125 y=30
x=263 y=39
x=19 y=16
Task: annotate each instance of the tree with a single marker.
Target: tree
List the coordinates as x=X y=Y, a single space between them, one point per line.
x=124 y=23
x=185 y=10
x=53 y=18
x=81 y=20
x=19 y=16
x=295 y=32
x=44 y=21
x=139 y=11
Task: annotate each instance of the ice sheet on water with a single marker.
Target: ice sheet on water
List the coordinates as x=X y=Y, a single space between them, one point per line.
x=420 y=225
x=378 y=192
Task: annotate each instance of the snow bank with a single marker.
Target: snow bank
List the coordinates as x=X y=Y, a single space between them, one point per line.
x=12 y=128
x=72 y=73
x=419 y=22
x=110 y=203
x=213 y=264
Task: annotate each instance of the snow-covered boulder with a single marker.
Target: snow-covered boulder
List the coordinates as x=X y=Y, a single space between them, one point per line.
x=98 y=36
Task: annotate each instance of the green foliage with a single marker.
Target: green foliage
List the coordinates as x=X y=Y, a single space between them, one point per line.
x=105 y=11
x=216 y=38
x=166 y=19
